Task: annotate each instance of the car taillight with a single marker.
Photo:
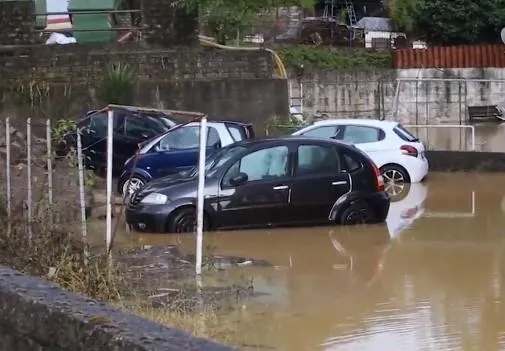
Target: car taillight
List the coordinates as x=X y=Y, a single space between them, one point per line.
x=409 y=150
x=379 y=180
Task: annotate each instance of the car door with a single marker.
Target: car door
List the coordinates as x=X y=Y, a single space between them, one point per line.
x=263 y=199
x=318 y=182
x=94 y=139
x=138 y=129
x=178 y=150
x=368 y=139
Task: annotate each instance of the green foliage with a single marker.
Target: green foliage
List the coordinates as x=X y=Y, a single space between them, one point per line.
x=405 y=13
x=118 y=85
x=334 y=58
x=226 y=18
x=462 y=21
x=61 y=128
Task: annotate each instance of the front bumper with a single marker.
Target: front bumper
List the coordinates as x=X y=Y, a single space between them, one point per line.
x=148 y=218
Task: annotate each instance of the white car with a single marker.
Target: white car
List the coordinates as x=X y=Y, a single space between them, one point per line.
x=399 y=155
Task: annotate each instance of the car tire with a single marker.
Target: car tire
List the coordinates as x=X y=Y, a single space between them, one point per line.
x=137 y=179
x=396 y=179
x=184 y=220
x=357 y=213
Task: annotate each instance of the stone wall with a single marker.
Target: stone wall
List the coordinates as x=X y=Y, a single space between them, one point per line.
x=224 y=84
x=37 y=315
x=17 y=23
x=421 y=102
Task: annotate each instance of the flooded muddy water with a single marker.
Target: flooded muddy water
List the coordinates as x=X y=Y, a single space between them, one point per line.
x=428 y=279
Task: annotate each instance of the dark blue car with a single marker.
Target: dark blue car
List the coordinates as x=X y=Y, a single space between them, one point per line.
x=177 y=151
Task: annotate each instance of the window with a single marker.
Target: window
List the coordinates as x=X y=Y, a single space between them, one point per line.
x=98 y=124
x=362 y=134
x=141 y=127
x=322 y=132
x=316 y=159
x=186 y=138
x=349 y=162
x=263 y=164
x=235 y=132
x=404 y=134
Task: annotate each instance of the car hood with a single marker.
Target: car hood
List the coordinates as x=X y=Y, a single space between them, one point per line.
x=168 y=184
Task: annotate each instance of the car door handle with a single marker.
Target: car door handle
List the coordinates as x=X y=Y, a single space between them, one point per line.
x=280 y=187
x=342 y=182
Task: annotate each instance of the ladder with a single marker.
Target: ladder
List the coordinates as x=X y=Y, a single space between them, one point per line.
x=351 y=13
x=296 y=96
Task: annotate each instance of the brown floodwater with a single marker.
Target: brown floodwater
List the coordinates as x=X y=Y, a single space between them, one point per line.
x=428 y=279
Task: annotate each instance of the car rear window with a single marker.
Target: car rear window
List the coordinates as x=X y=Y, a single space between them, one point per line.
x=404 y=134
x=240 y=132
x=350 y=162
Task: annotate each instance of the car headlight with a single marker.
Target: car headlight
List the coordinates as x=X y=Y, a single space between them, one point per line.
x=155 y=199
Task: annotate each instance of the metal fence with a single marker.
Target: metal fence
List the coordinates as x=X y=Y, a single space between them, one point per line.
x=39 y=187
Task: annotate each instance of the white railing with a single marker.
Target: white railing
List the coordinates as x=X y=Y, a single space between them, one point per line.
x=461 y=126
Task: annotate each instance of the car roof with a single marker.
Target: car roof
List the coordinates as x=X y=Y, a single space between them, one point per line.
x=357 y=121
x=290 y=138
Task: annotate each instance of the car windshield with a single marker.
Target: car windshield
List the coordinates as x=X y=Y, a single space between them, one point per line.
x=216 y=160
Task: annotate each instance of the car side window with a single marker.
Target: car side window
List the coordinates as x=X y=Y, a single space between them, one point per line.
x=322 y=132
x=186 y=138
x=349 y=162
x=262 y=164
x=316 y=159
x=235 y=132
x=138 y=127
x=212 y=136
x=362 y=134
x=98 y=124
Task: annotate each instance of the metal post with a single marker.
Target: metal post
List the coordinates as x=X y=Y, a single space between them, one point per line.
x=81 y=195
x=108 y=235
x=29 y=176
x=8 y=172
x=200 y=194
x=49 y=163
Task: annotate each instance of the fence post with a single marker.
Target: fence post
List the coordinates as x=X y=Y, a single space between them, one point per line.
x=110 y=135
x=8 y=172
x=81 y=195
x=49 y=163
x=29 y=176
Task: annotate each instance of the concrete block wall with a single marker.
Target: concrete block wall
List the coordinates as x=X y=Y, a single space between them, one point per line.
x=17 y=23
x=37 y=315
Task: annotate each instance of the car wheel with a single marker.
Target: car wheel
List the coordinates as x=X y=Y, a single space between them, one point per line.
x=396 y=179
x=357 y=213
x=184 y=221
x=132 y=185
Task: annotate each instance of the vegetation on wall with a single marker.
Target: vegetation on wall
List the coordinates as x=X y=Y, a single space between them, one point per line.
x=334 y=58
x=118 y=85
x=450 y=22
x=226 y=18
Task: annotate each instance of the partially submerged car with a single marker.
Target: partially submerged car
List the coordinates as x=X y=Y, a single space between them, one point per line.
x=269 y=182
x=177 y=150
x=129 y=129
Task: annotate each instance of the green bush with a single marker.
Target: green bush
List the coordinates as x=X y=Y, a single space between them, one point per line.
x=334 y=58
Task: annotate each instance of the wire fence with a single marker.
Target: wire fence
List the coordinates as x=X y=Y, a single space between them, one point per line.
x=40 y=187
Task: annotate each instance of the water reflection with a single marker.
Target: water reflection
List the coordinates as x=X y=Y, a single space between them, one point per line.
x=429 y=279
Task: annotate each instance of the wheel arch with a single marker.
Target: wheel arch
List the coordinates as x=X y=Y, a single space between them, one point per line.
x=393 y=164
x=188 y=205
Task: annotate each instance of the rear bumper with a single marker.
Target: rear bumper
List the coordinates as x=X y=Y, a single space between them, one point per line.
x=380 y=202
x=418 y=169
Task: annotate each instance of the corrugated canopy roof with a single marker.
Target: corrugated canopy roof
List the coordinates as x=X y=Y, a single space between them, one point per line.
x=382 y=24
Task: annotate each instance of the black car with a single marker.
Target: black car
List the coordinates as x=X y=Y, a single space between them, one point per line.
x=130 y=129
x=259 y=183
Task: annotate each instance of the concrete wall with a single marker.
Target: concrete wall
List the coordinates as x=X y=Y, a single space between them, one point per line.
x=372 y=93
x=37 y=315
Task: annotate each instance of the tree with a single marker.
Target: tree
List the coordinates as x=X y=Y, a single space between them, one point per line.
x=225 y=18
x=461 y=21
x=405 y=13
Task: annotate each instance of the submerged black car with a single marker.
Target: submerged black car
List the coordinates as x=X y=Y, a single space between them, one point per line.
x=260 y=183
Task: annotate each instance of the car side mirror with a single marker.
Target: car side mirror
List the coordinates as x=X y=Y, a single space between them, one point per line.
x=217 y=145
x=239 y=179
x=144 y=136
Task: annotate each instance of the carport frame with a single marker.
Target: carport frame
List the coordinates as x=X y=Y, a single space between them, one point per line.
x=195 y=117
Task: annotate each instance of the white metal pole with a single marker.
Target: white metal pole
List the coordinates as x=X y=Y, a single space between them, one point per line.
x=200 y=195
x=49 y=163
x=81 y=195
x=8 y=171
x=29 y=171
x=110 y=124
